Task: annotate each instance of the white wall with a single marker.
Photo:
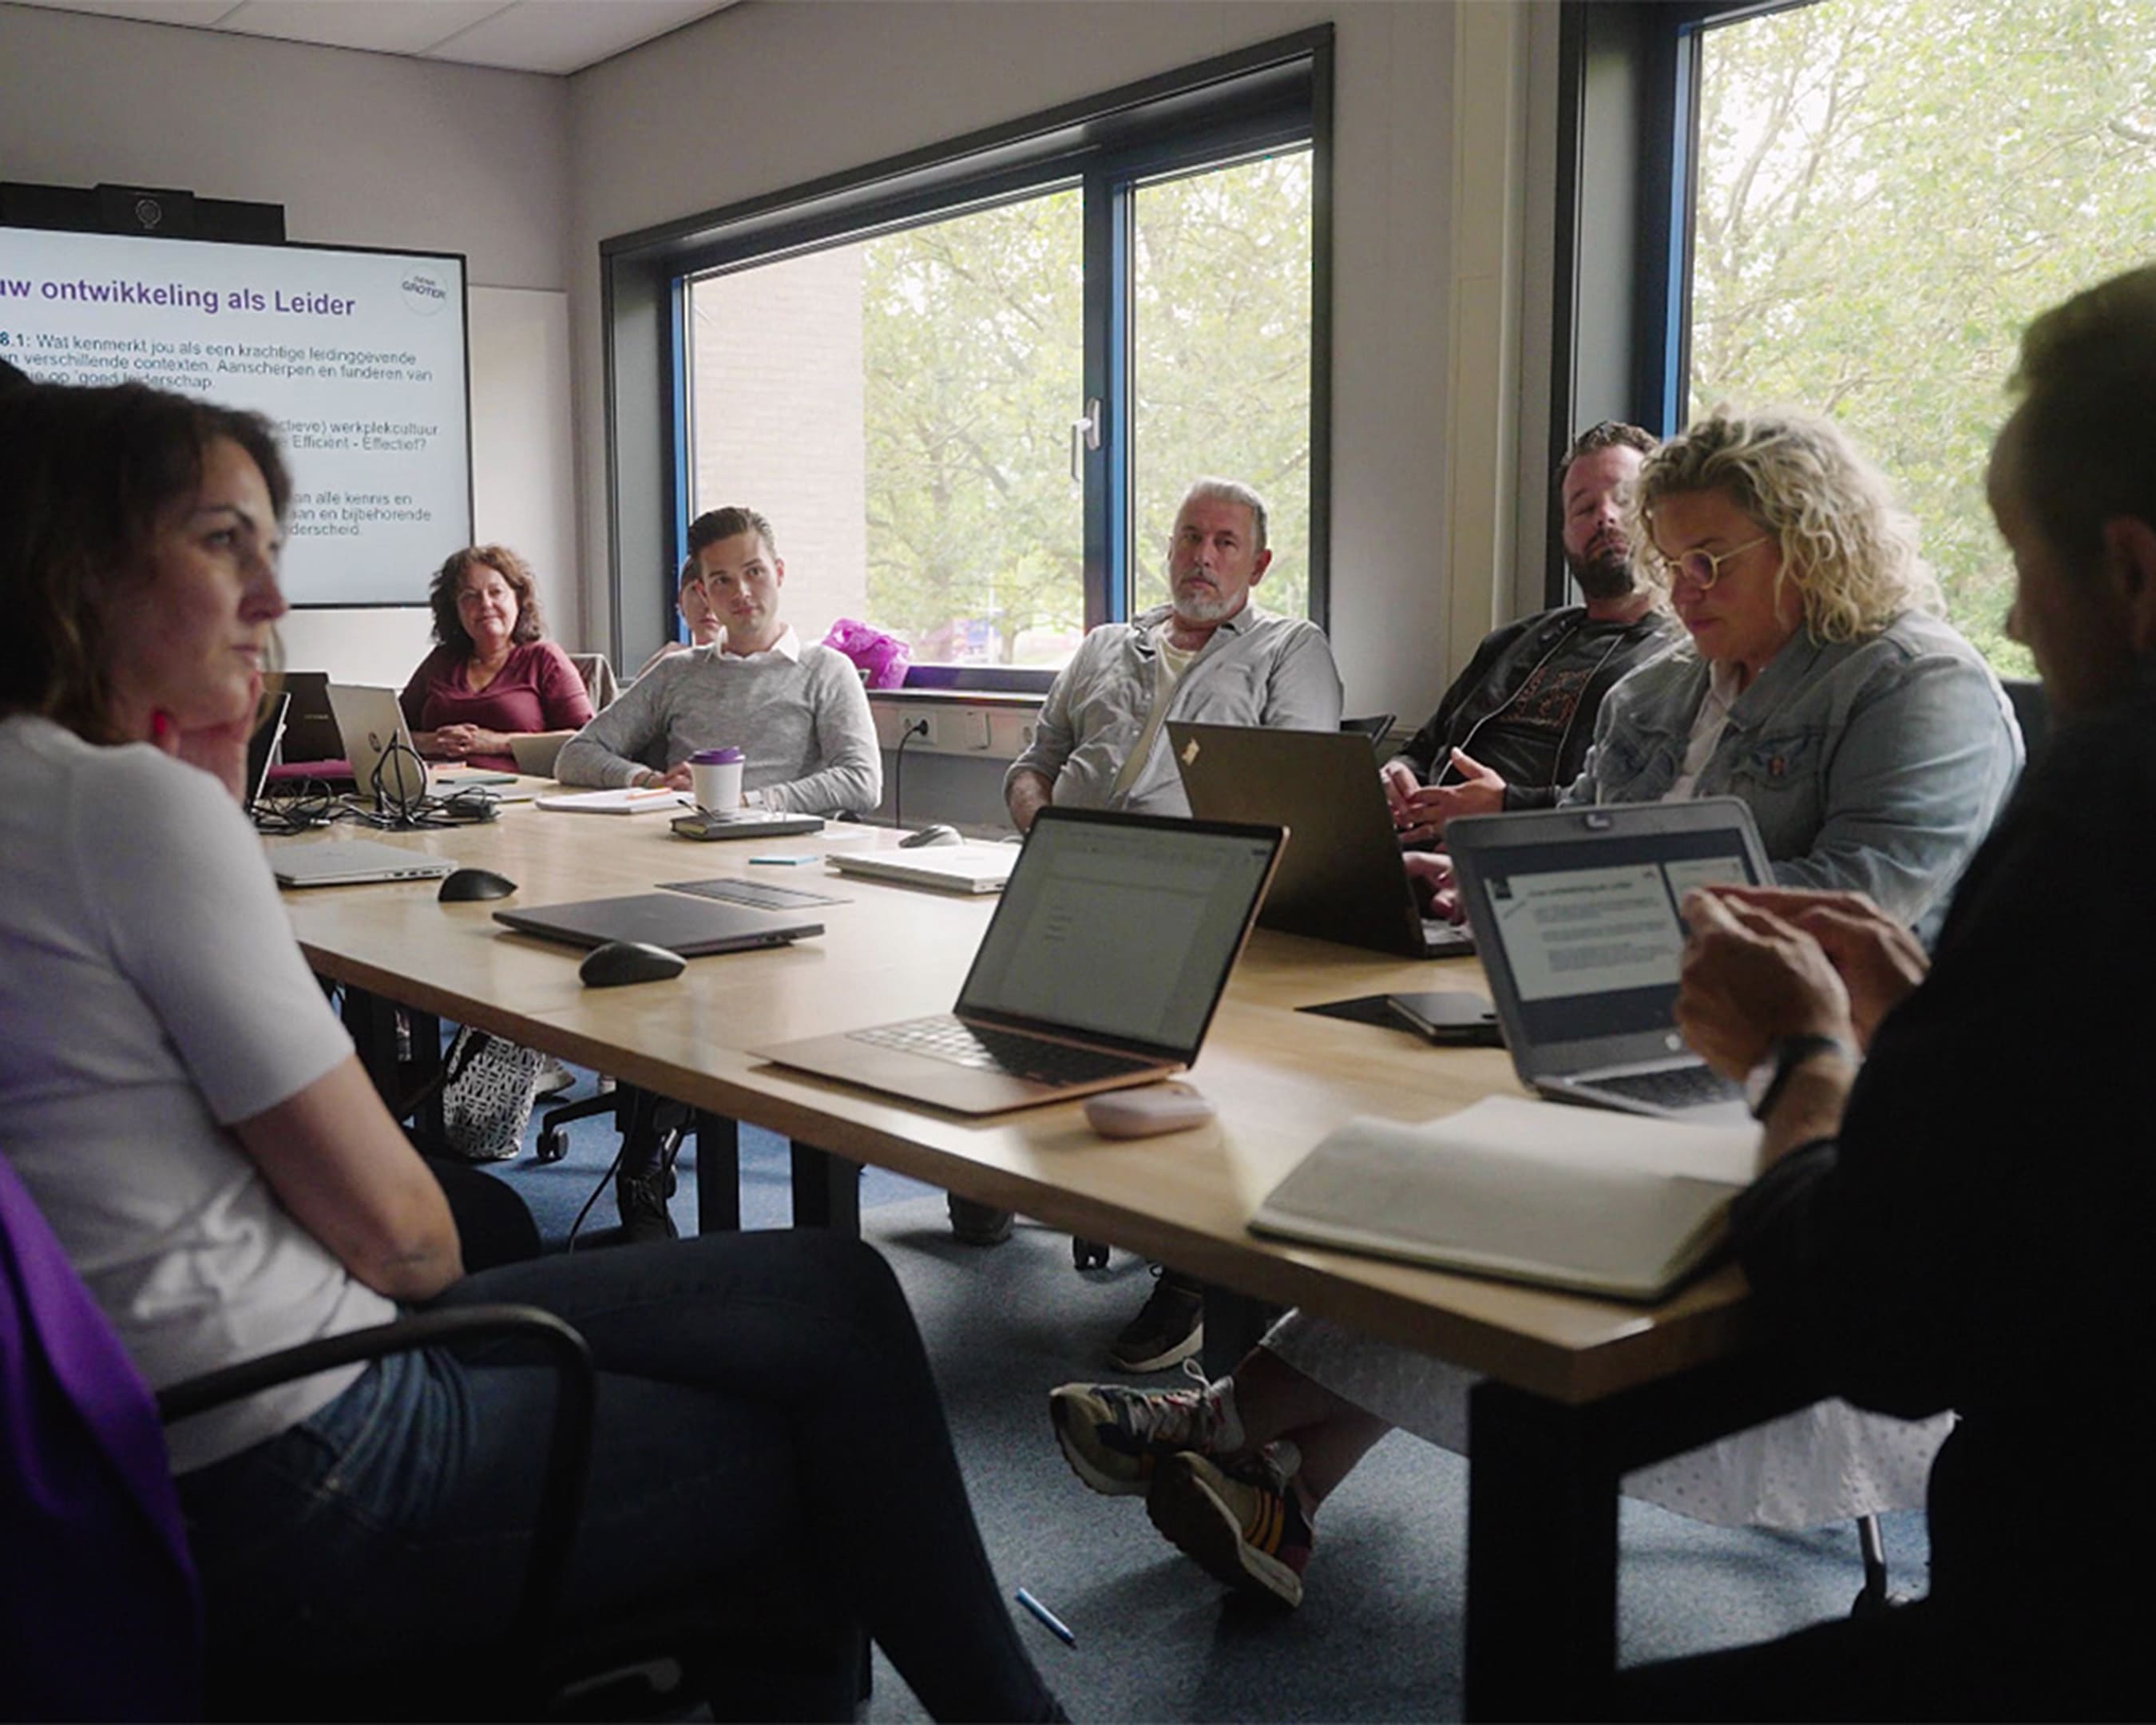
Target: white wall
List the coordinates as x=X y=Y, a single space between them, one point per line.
x=793 y=92
x=363 y=149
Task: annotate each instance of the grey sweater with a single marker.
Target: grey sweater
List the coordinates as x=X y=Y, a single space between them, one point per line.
x=798 y=713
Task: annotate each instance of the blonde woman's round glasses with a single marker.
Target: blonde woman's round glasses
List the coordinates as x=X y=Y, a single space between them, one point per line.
x=1702 y=569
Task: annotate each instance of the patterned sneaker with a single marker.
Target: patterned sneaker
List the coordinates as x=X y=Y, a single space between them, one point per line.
x=1112 y=1435
x=1244 y=1527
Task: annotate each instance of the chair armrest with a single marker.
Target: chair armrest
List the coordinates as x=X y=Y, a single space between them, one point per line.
x=568 y=1445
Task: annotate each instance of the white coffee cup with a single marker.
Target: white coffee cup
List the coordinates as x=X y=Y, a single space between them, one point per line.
x=714 y=780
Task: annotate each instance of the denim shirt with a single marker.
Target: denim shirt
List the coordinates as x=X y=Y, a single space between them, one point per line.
x=1257 y=669
x=1872 y=766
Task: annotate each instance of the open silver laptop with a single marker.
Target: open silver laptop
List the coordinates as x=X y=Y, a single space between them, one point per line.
x=385 y=767
x=351 y=862
x=1575 y=912
x=1342 y=879
x=1101 y=968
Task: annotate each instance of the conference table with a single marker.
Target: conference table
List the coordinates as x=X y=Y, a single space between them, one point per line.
x=1577 y=1391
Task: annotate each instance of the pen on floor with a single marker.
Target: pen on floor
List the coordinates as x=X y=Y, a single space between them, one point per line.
x=1048 y=1620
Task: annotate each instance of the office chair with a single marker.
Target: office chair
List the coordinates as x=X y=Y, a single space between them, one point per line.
x=95 y=1539
x=1378 y=726
x=600 y=682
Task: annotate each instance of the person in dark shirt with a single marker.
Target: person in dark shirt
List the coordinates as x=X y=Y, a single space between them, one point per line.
x=1960 y=1218
x=1513 y=730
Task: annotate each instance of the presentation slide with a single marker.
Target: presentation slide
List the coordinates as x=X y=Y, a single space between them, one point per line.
x=358 y=357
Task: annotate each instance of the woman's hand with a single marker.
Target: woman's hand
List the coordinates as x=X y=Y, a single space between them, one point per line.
x=453 y=742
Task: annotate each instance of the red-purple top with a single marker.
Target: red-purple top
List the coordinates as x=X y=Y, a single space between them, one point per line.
x=537 y=688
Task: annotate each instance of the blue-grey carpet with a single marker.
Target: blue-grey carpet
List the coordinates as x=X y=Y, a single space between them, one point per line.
x=1378 y=1635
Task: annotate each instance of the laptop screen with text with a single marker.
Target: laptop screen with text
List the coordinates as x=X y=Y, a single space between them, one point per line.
x=1121 y=928
x=1590 y=933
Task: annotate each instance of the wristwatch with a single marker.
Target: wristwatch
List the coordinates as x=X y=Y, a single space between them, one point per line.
x=1764 y=1083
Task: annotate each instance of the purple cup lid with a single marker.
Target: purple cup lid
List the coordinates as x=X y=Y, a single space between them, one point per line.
x=715 y=757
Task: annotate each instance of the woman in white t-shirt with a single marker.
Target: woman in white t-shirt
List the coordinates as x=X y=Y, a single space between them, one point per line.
x=178 y=1098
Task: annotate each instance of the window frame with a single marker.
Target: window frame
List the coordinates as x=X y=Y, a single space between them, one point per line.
x=1272 y=96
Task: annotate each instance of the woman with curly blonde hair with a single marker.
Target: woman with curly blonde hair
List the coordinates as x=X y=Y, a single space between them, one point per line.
x=1821 y=685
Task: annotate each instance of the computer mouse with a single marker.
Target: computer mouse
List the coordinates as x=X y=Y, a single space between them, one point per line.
x=619 y=963
x=937 y=833
x=467 y=886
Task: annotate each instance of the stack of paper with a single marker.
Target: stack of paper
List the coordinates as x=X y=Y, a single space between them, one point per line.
x=1575 y=1197
x=623 y=802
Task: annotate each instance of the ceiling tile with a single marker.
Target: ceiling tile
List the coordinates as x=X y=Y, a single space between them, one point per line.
x=384 y=26
x=199 y=13
x=568 y=35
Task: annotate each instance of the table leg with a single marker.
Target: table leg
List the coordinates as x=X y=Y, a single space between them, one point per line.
x=401 y=1049
x=1542 y=1558
x=1234 y=1324
x=718 y=1172
x=827 y=1191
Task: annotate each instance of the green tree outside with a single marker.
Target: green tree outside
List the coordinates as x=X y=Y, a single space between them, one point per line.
x=1888 y=190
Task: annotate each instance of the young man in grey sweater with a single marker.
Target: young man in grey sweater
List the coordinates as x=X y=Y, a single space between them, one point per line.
x=797 y=712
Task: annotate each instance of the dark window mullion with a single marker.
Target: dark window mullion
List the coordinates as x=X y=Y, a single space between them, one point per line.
x=1107 y=372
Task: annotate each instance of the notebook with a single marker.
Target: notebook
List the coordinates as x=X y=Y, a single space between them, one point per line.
x=1101 y=968
x=1575 y=913
x=1523 y=1190
x=351 y=862
x=692 y=927
x=385 y=767
x=1341 y=879
x=637 y=799
x=945 y=868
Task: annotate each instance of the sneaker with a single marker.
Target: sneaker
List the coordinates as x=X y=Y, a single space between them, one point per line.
x=554 y=1078
x=978 y=1224
x=1242 y=1526
x=642 y=1197
x=1170 y=1327
x=1113 y=1435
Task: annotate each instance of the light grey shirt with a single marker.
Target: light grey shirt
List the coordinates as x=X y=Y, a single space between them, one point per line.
x=1257 y=670
x=798 y=713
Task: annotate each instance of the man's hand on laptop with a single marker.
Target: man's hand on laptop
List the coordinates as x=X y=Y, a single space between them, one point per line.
x=1750 y=978
x=1430 y=872
x=1420 y=811
x=1880 y=963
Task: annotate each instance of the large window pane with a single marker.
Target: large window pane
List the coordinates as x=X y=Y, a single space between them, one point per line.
x=900 y=408
x=1220 y=359
x=1888 y=190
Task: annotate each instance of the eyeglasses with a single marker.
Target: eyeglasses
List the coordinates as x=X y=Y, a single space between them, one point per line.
x=1702 y=569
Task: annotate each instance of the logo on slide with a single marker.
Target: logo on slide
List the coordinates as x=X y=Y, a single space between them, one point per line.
x=424 y=291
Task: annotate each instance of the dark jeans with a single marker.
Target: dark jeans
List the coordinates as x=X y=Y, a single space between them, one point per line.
x=2037 y=1657
x=765 y=1408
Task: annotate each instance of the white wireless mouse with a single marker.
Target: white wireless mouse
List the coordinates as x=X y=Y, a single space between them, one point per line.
x=1140 y=1113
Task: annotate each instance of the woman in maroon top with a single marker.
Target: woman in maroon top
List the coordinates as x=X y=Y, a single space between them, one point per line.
x=492 y=677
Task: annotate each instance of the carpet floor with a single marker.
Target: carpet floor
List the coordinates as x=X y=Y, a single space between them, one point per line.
x=1378 y=1635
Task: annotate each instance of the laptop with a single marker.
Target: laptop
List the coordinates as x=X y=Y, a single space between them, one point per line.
x=385 y=767
x=945 y=868
x=534 y=753
x=311 y=734
x=262 y=748
x=351 y=862
x=1575 y=912
x=1101 y=968
x=1342 y=878
x=692 y=927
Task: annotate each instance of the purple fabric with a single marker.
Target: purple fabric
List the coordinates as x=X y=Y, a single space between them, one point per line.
x=99 y=1613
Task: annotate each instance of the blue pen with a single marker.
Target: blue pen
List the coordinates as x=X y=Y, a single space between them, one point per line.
x=1048 y=1620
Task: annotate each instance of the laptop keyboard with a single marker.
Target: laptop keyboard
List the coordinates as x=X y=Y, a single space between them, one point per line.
x=1674 y=1087
x=756 y=895
x=946 y=1038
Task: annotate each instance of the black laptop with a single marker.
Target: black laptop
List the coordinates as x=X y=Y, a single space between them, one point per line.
x=310 y=726
x=692 y=927
x=1341 y=878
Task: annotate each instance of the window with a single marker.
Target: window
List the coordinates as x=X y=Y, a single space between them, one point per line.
x=1854 y=231
x=969 y=388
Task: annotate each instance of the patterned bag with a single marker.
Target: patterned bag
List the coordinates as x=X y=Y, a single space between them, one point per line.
x=488 y=1089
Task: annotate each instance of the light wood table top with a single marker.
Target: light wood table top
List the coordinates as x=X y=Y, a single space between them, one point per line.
x=1280 y=1079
